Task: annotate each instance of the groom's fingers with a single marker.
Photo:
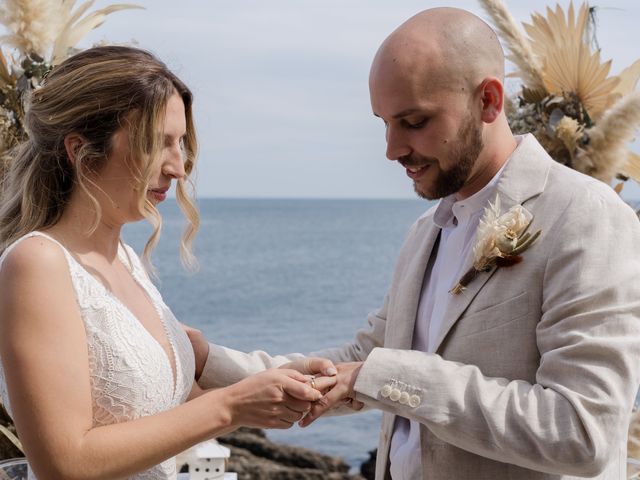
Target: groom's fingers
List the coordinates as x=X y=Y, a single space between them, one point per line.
x=344 y=388
x=353 y=404
x=317 y=365
x=295 y=385
x=323 y=384
x=320 y=407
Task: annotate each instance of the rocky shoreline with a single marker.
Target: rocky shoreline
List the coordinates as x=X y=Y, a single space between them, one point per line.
x=255 y=457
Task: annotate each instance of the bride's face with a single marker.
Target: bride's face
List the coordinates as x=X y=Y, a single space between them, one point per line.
x=118 y=185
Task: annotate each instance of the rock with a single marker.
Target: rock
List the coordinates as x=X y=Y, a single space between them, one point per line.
x=368 y=467
x=254 y=457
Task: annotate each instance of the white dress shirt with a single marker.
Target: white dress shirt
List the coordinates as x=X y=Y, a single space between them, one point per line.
x=458 y=221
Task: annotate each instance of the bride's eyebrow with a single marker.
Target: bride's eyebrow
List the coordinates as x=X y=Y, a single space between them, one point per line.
x=169 y=137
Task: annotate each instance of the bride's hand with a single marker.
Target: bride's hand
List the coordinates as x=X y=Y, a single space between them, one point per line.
x=275 y=398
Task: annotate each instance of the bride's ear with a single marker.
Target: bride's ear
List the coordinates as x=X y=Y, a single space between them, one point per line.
x=72 y=143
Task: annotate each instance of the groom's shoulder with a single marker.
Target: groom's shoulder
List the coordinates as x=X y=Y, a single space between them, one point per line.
x=568 y=189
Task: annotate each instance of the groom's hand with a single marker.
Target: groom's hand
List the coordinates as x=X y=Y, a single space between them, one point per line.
x=341 y=393
x=200 y=347
x=321 y=372
x=312 y=366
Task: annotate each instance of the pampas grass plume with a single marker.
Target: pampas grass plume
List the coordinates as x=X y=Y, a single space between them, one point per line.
x=606 y=153
x=530 y=69
x=32 y=24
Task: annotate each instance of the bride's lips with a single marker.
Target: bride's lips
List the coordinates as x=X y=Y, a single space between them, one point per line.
x=159 y=194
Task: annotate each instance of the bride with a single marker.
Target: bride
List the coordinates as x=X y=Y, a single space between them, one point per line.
x=95 y=370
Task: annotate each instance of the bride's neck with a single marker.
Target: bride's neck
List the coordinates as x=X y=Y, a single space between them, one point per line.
x=75 y=230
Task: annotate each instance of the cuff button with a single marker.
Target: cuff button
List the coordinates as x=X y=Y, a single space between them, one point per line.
x=414 y=401
x=395 y=394
x=385 y=391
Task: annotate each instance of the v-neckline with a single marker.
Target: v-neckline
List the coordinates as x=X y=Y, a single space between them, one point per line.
x=127 y=310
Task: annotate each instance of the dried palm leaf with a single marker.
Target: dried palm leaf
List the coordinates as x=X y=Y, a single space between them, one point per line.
x=574 y=68
x=628 y=79
x=77 y=28
x=5 y=73
x=607 y=150
x=555 y=29
x=569 y=65
x=530 y=68
x=631 y=169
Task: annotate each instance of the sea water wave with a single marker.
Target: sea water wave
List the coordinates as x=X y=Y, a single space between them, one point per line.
x=286 y=276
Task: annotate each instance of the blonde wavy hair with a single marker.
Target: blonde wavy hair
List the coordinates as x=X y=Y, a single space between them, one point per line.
x=93 y=94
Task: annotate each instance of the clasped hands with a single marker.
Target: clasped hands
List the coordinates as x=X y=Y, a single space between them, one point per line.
x=334 y=382
x=331 y=387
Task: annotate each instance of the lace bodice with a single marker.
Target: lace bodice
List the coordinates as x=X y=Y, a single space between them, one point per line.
x=131 y=375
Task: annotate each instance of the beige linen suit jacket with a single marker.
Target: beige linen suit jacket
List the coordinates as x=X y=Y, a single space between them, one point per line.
x=537 y=365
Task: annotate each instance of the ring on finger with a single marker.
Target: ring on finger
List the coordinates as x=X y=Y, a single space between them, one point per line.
x=312 y=382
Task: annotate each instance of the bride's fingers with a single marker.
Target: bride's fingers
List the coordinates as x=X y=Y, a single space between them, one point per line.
x=284 y=424
x=296 y=405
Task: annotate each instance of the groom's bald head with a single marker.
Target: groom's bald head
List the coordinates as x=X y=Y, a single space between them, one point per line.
x=447 y=47
x=437 y=83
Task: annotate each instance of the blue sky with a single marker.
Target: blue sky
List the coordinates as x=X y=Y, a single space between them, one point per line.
x=282 y=104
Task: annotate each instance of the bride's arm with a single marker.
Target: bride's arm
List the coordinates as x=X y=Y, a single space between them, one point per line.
x=44 y=352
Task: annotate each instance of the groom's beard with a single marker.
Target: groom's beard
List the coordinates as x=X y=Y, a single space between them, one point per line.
x=463 y=157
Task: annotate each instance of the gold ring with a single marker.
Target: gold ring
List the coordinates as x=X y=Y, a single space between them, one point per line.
x=313 y=383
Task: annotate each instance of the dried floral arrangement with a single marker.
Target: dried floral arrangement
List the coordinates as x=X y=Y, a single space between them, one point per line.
x=583 y=116
x=39 y=34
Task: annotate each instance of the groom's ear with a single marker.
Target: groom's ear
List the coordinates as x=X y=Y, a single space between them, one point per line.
x=491 y=93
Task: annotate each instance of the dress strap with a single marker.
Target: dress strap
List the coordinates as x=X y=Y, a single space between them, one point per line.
x=35 y=233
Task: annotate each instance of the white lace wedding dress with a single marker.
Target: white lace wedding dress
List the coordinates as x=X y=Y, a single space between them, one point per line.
x=131 y=375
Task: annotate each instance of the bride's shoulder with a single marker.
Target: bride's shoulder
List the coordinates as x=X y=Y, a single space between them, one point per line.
x=32 y=255
x=34 y=250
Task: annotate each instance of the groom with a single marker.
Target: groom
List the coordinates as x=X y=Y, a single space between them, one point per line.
x=531 y=370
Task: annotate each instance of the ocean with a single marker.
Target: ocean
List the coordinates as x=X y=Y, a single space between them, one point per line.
x=286 y=276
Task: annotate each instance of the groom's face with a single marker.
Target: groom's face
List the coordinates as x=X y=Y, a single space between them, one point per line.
x=431 y=127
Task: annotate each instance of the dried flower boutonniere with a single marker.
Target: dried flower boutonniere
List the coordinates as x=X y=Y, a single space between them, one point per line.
x=500 y=241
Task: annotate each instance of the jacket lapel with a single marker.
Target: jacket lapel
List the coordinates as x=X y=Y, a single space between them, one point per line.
x=411 y=288
x=523 y=178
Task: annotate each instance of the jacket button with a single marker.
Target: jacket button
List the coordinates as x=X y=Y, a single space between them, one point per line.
x=385 y=391
x=395 y=394
x=414 y=401
x=404 y=398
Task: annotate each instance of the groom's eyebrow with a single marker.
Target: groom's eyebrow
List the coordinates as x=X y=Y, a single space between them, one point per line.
x=403 y=113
